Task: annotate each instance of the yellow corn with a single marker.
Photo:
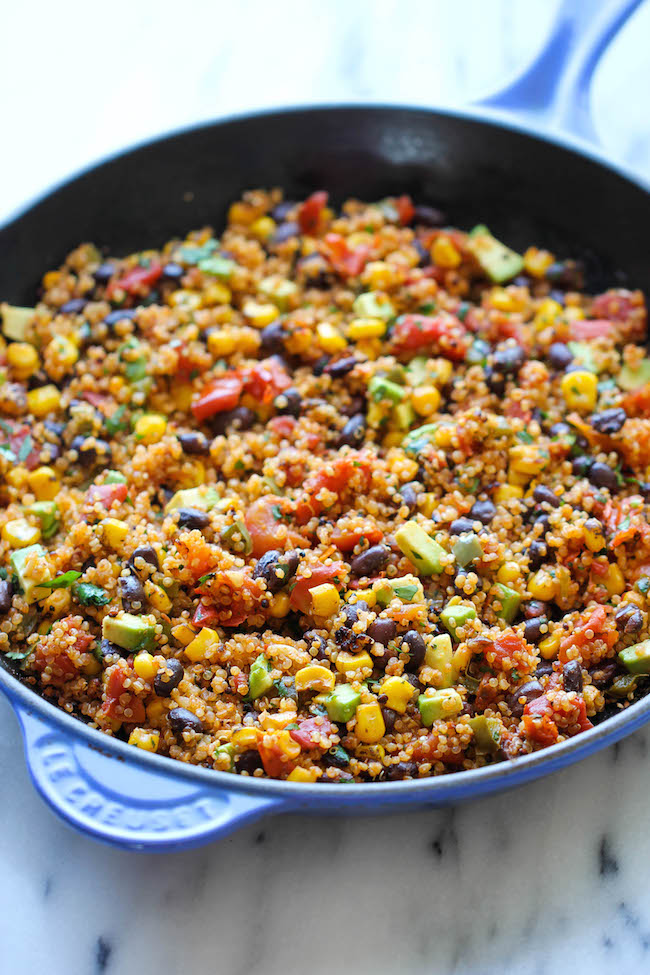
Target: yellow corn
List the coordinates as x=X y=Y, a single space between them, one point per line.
x=44 y=483
x=542 y=586
x=313 y=677
x=378 y=275
x=221 y=342
x=528 y=459
x=393 y=439
x=613 y=581
x=325 y=599
x=182 y=394
x=444 y=254
x=300 y=774
x=549 y=647
x=17 y=477
x=580 y=390
x=398 y=691
x=201 y=644
x=536 y=262
x=216 y=293
x=23 y=359
x=115 y=531
x=245 y=738
x=329 y=338
x=185 y=299
x=548 y=313
x=148 y=740
x=370 y=725
x=63 y=350
x=509 y=572
x=507 y=492
x=19 y=533
x=426 y=400
x=279 y=605
x=157 y=597
x=444 y=436
x=594 y=535
x=156 y=711
x=183 y=633
x=263 y=228
x=347 y=663
x=504 y=300
x=150 y=428
x=244 y=213
x=44 y=400
x=145 y=666
x=365 y=595
x=58 y=602
x=574 y=314
x=260 y=315
x=441 y=371
x=366 y=328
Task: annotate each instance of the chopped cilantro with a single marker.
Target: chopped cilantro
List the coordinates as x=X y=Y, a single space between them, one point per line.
x=89 y=595
x=63 y=581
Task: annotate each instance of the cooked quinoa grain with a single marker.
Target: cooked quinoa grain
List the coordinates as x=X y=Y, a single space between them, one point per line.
x=329 y=497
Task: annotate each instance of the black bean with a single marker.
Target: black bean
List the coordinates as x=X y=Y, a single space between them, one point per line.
x=608 y=421
x=316 y=642
x=173 y=271
x=104 y=273
x=285 y=232
x=168 y=677
x=533 y=608
x=353 y=432
x=533 y=629
x=537 y=553
x=119 y=315
x=582 y=465
x=370 y=562
x=194 y=443
x=566 y=274
x=390 y=717
x=628 y=618
x=494 y=381
x=530 y=690
x=281 y=210
x=544 y=668
x=644 y=490
x=428 y=216
x=351 y=611
x=91 y=450
x=336 y=755
x=602 y=476
x=73 y=307
x=6 y=593
x=248 y=762
x=483 y=511
x=288 y=402
x=131 y=592
x=272 y=338
x=108 y=649
x=416 y=649
x=276 y=568
x=180 y=719
x=560 y=429
x=146 y=552
x=382 y=631
x=401 y=770
x=543 y=494
x=192 y=518
x=460 y=525
x=54 y=429
x=408 y=495
x=423 y=253
x=603 y=674
x=509 y=359
x=341 y=367
x=572 y=675
x=241 y=418
x=49 y=453
x=320 y=365
x=559 y=355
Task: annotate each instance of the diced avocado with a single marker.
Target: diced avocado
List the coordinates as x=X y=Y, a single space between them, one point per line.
x=467 y=548
x=278 y=289
x=371 y=305
x=15 y=321
x=225 y=750
x=404 y=414
x=510 y=602
x=419 y=438
x=636 y=658
x=444 y=703
x=478 y=352
x=47 y=513
x=18 y=559
x=220 y=267
x=453 y=617
x=439 y=655
x=204 y=498
x=423 y=551
x=407 y=588
x=381 y=388
x=114 y=477
x=128 y=631
x=343 y=702
x=487 y=733
x=499 y=262
x=416 y=370
x=583 y=355
x=259 y=679
x=631 y=379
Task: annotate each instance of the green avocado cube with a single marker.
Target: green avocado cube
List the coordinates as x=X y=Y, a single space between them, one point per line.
x=439 y=655
x=18 y=560
x=453 y=617
x=380 y=388
x=631 y=379
x=487 y=733
x=403 y=414
x=499 y=262
x=371 y=305
x=510 y=601
x=15 y=321
x=128 y=631
x=220 y=267
x=204 y=498
x=225 y=750
x=343 y=702
x=423 y=551
x=47 y=513
x=583 y=355
x=636 y=658
x=407 y=588
x=259 y=679
x=445 y=703
x=467 y=549
x=417 y=371
x=114 y=477
x=278 y=289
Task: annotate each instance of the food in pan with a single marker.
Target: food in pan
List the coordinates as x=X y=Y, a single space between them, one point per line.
x=330 y=496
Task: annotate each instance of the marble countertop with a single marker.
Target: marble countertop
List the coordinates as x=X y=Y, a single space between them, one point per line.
x=548 y=878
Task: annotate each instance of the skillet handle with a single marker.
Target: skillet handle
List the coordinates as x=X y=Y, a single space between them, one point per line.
x=132 y=807
x=554 y=92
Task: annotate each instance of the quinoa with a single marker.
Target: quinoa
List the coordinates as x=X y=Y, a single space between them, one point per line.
x=329 y=496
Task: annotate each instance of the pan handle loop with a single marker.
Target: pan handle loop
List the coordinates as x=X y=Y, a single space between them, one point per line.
x=554 y=91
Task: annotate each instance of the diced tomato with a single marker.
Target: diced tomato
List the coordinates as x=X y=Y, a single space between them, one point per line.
x=309 y=732
x=637 y=401
x=265 y=380
x=445 y=331
x=508 y=645
x=405 y=209
x=309 y=212
x=581 y=330
x=96 y=399
x=273 y=758
x=21 y=443
x=597 y=622
x=106 y=494
x=268 y=523
x=538 y=721
x=583 y=720
x=282 y=426
x=300 y=599
x=352 y=470
x=515 y=330
x=61 y=667
x=619 y=305
x=115 y=704
x=218 y=396
x=205 y=615
x=514 y=409
x=136 y=281
x=346 y=541
x=346 y=261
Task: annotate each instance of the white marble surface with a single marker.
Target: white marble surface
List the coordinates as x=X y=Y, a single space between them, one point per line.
x=548 y=879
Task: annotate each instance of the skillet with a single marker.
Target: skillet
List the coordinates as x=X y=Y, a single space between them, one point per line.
x=556 y=191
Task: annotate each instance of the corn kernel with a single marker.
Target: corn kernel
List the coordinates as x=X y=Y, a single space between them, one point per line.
x=157 y=597
x=221 y=342
x=379 y=275
x=201 y=644
x=185 y=299
x=114 y=532
x=182 y=395
x=92 y=667
x=398 y=691
x=17 y=477
x=63 y=351
x=548 y=314
x=370 y=725
x=366 y=328
x=300 y=774
x=613 y=581
x=263 y=228
x=528 y=459
x=507 y=492
x=44 y=483
x=580 y=390
x=441 y=371
x=325 y=599
x=509 y=572
x=504 y=300
x=347 y=663
x=145 y=665
x=536 y=262
x=19 y=533
x=330 y=338
x=573 y=314
x=260 y=315
x=279 y=605
x=216 y=293
x=542 y=586
x=183 y=633
x=594 y=535
x=23 y=359
x=244 y=213
x=426 y=400
x=156 y=711
x=549 y=647
x=444 y=436
x=245 y=739
x=362 y=595
x=44 y=400
x=58 y=602
x=393 y=439
x=444 y=254
x=150 y=428
x=148 y=740
x=314 y=677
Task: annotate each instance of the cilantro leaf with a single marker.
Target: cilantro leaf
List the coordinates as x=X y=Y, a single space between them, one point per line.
x=61 y=582
x=89 y=595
